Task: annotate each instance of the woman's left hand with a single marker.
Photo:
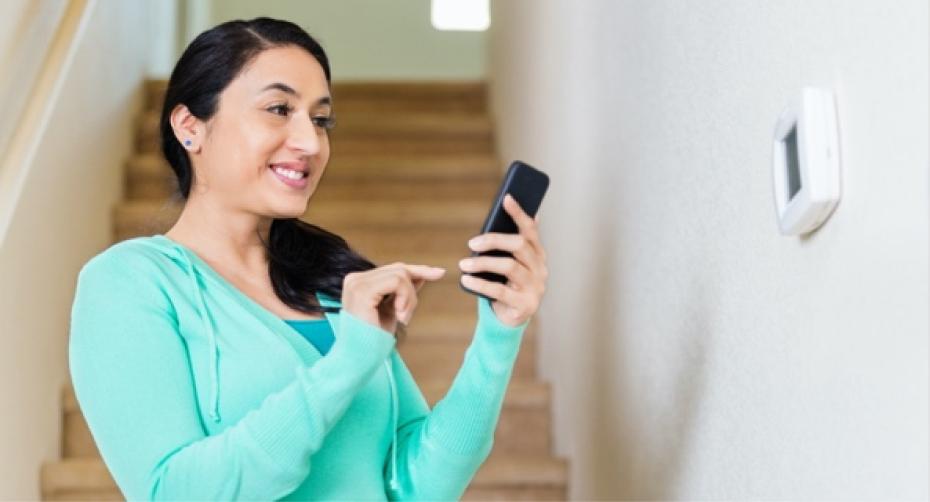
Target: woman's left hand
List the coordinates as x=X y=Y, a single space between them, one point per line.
x=526 y=272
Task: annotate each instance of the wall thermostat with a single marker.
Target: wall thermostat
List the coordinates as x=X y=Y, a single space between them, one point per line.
x=806 y=162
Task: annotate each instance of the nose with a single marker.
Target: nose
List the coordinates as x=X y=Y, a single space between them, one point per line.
x=303 y=136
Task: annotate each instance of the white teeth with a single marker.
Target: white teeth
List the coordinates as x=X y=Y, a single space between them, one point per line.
x=290 y=173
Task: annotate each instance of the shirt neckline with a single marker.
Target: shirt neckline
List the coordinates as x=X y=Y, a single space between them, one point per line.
x=245 y=299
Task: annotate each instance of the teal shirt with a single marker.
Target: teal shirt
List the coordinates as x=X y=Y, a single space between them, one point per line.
x=193 y=391
x=316 y=331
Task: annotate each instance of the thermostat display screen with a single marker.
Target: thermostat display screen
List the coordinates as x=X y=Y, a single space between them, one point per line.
x=806 y=162
x=791 y=158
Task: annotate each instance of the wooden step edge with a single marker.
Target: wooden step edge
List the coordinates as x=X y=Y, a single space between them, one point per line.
x=78 y=474
x=521 y=393
x=349 y=169
x=365 y=89
x=524 y=393
x=504 y=470
x=88 y=475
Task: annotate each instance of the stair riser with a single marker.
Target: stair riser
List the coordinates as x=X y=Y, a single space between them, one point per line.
x=337 y=187
x=88 y=496
x=77 y=439
x=130 y=221
x=458 y=105
x=397 y=97
x=411 y=168
x=346 y=146
x=441 y=361
x=485 y=494
x=524 y=431
x=520 y=430
x=508 y=494
x=456 y=146
x=463 y=135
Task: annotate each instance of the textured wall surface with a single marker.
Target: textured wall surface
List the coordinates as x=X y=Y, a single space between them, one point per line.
x=695 y=352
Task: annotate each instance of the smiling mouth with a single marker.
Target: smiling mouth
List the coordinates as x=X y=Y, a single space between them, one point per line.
x=291 y=178
x=292 y=174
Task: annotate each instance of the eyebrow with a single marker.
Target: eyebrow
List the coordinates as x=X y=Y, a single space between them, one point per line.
x=325 y=100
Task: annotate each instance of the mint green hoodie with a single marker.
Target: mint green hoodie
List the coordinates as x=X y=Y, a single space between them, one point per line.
x=194 y=391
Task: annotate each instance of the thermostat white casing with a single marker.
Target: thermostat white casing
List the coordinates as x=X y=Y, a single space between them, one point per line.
x=806 y=162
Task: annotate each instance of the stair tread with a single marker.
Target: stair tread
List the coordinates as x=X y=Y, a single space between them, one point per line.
x=154 y=161
x=86 y=474
x=521 y=392
x=422 y=125
x=447 y=213
x=400 y=94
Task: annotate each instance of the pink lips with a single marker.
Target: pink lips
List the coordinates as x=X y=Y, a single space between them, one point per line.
x=298 y=183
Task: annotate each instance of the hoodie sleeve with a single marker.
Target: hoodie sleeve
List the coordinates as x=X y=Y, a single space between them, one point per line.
x=439 y=451
x=132 y=378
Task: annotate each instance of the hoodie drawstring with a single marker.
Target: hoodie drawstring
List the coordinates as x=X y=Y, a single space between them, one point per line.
x=211 y=336
x=394 y=484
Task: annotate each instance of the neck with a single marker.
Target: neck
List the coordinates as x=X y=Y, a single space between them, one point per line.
x=231 y=237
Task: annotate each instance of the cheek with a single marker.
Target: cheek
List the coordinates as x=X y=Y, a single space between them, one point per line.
x=250 y=147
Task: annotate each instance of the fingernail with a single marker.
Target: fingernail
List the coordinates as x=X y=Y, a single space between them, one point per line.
x=474 y=241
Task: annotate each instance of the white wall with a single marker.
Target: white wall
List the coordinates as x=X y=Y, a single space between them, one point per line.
x=374 y=39
x=62 y=218
x=695 y=352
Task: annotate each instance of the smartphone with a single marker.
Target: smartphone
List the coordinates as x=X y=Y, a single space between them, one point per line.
x=526 y=185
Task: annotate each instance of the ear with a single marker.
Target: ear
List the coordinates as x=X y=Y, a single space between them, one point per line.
x=188 y=129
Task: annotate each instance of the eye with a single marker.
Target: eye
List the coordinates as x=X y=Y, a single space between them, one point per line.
x=325 y=122
x=282 y=110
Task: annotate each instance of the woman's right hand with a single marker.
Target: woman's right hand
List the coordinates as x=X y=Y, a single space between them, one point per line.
x=387 y=294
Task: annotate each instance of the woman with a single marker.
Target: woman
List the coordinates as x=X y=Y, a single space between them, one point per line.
x=190 y=353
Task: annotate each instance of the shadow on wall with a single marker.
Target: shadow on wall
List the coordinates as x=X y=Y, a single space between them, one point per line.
x=635 y=465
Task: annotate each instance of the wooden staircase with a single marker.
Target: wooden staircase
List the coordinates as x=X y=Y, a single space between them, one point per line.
x=411 y=175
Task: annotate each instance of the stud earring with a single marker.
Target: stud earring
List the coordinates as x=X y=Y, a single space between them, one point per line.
x=187 y=142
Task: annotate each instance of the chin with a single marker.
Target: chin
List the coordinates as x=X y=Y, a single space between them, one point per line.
x=283 y=215
x=280 y=210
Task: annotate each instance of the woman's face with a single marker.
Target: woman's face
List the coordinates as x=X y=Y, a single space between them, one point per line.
x=270 y=126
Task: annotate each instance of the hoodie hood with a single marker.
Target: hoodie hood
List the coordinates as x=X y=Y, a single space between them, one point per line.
x=190 y=263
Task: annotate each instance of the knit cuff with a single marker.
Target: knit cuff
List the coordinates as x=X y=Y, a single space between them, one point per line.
x=497 y=344
x=363 y=343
